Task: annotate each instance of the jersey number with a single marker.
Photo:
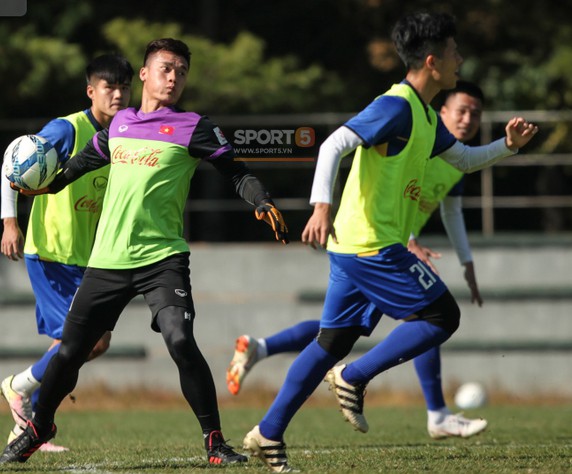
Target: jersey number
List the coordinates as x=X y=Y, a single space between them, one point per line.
x=424 y=275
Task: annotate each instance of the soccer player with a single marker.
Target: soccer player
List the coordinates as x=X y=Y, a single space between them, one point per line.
x=393 y=137
x=61 y=228
x=443 y=185
x=139 y=245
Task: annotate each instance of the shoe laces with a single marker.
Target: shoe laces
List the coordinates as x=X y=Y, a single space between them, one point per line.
x=26 y=405
x=218 y=444
x=458 y=418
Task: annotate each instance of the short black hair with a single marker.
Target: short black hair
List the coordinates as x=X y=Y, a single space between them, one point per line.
x=113 y=68
x=465 y=87
x=420 y=34
x=168 y=44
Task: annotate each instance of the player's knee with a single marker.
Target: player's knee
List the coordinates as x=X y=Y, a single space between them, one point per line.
x=176 y=329
x=70 y=356
x=338 y=342
x=443 y=312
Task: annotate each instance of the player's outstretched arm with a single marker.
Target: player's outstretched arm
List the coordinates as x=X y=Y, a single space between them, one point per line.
x=519 y=132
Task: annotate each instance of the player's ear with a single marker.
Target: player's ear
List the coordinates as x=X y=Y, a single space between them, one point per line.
x=143 y=73
x=90 y=91
x=430 y=61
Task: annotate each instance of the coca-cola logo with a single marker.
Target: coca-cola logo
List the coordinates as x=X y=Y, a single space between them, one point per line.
x=412 y=190
x=145 y=156
x=85 y=204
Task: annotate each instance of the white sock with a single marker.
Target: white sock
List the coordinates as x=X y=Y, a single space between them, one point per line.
x=261 y=351
x=434 y=417
x=25 y=383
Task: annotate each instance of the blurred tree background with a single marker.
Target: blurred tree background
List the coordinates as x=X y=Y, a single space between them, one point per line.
x=281 y=57
x=252 y=56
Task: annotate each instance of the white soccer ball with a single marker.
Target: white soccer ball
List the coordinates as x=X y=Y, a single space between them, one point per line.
x=30 y=162
x=471 y=395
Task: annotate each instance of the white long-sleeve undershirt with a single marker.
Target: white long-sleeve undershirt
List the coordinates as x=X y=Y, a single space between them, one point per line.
x=9 y=200
x=469 y=159
x=339 y=144
x=451 y=209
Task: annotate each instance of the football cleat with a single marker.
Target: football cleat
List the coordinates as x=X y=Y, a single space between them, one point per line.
x=20 y=405
x=218 y=452
x=26 y=444
x=271 y=453
x=46 y=447
x=456 y=425
x=349 y=398
x=245 y=356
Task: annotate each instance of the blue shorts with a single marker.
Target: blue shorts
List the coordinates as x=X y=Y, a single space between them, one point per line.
x=54 y=285
x=393 y=282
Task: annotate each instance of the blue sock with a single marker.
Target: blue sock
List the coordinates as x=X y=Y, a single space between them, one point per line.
x=39 y=368
x=405 y=342
x=293 y=339
x=428 y=367
x=305 y=374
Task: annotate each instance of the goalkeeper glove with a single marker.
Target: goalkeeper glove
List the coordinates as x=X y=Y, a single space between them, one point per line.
x=30 y=192
x=272 y=216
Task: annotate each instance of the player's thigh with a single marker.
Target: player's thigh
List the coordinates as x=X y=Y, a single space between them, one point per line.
x=54 y=285
x=101 y=298
x=344 y=305
x=166 y=284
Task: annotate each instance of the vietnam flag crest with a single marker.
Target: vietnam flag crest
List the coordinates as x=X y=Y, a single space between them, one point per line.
x=166 y=130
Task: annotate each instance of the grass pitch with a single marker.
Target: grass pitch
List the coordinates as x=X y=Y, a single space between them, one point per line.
x=523 y=439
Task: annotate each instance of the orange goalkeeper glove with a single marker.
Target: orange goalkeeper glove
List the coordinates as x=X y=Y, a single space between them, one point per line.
x=272 y=216
x=29 y=192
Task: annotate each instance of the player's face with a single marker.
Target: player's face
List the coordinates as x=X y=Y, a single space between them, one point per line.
x=164 y=77
x=447 y=66
x=107 y=99
x=461 y=114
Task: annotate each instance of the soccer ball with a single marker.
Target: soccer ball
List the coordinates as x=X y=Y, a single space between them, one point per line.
x=30 y=162
x=471 y=395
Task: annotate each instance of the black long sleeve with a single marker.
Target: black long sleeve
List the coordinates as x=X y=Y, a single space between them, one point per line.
x=91 y=157
x=247 y=186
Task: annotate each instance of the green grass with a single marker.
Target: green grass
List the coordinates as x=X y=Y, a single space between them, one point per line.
x=523 y=439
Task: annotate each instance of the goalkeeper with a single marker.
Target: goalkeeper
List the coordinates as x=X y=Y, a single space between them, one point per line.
x=139 y=247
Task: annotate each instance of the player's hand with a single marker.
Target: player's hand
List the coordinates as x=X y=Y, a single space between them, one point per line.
x=12 y=239
x=272 y=216
x=519 y=132
x=30 y=192
x=319 y=227
x=425 y=254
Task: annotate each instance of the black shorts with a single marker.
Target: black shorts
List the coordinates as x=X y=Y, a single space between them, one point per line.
x=103 y=293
